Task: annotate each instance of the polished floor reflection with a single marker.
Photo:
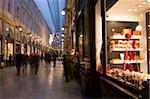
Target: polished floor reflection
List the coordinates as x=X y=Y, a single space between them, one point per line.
x=49 y=83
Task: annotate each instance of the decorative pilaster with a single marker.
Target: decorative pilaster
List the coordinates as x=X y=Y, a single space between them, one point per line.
x=88 y=78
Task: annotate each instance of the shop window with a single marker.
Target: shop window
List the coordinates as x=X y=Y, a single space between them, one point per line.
x=9 y=33
x=98 y=38
x=126 y=42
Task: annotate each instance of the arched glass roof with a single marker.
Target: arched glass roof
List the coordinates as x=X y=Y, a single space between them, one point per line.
x=51 y=11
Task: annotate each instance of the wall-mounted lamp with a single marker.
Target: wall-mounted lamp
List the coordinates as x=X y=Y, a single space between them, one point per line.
x=81 y=35
x=7 y=29
x=19 y=28
x=63 y=13
x=62 y=28
x=65 y=10
x=62 y=35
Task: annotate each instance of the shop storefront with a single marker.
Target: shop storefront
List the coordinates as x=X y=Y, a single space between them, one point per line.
x=122 y=48
x=18 y=47
x=9 y=43
x=24 y=44
x=28 y=50
x=22 y=49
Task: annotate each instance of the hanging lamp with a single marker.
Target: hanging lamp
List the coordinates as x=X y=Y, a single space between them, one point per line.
x=138 y=27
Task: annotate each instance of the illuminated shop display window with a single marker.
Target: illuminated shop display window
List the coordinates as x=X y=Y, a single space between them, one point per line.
x=127 y=49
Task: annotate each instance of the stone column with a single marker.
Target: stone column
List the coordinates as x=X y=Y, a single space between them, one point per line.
x=14 y=41
x=3 y=29
x=3 y=38
x=89 y=46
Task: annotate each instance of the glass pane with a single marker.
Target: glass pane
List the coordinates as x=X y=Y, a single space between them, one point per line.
x=148 y=37
x=127 y=42
x=98 y=37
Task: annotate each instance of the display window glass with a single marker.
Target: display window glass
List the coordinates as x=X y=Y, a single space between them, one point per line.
x=8 y=50
x=127 y=42
x=98 y=37
x=148 y=38
x=22 y=49
x=28 y=50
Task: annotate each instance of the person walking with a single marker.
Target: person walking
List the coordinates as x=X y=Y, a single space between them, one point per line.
x=66 y=67
x=10 y=60
x=35 y=60
x=49 y=58
x=24 y=62
x=54 y=59
x=18 y=63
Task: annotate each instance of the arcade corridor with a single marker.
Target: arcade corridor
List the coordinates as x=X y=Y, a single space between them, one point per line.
x=49 y=83
x=104 y=46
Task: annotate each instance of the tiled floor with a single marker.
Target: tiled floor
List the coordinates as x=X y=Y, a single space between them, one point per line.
x=49 y=83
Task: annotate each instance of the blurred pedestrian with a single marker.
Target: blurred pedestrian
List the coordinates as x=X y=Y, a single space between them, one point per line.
x=37 y=60
x=18 y=62
x=35 y=63
x=10 y=60
x=24 y=62
x=54 y=59
x=66 y=67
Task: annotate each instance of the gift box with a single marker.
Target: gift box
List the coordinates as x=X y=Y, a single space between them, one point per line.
x=136 y=32
x=127 y=31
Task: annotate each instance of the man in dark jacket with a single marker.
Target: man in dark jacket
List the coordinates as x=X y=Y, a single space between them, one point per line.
x=66 y=69
x=54 y=58
x=10 y=59
x=18 y=62
x=35 y=62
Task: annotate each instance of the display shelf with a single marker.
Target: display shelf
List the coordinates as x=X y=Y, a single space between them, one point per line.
x=117 y=37
x=125 y=61
x=126 y=49
x=126 y=82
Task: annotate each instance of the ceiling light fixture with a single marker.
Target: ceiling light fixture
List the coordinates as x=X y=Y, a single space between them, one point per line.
x=20 y=29
x=81 y=35
x=143 y=3
x=138 y=28
x=140 y=5
x=7 y=29
x=135 y=9
x=148 y=0
x=129 y=9
x=62 y=29
x=63 y=12
x=113 y=30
